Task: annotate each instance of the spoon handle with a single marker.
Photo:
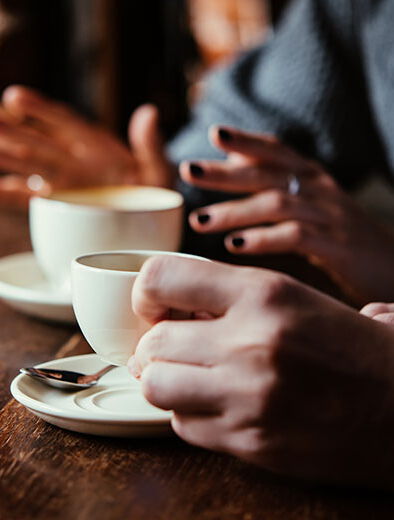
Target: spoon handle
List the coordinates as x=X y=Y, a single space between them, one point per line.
x=86 y=379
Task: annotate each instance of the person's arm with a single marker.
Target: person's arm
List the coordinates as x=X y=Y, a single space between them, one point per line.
x=305 y=86
x=277 y=373
x=305 y=89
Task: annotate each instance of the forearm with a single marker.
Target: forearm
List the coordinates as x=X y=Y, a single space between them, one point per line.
x=281 y=88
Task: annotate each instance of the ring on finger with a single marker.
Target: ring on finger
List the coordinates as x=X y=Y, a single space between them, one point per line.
x=36 y=182
x=293 y=184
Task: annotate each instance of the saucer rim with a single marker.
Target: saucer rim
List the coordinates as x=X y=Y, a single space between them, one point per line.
x=9 y=291
x=87 y=417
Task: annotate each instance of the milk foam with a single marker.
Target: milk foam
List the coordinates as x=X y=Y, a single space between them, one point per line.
x=129 y=198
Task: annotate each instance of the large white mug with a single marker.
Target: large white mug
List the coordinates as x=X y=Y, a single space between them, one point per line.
x=102 y=284
x=70 y=223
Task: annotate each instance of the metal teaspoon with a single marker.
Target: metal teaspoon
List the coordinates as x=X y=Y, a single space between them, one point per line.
x=65 y=379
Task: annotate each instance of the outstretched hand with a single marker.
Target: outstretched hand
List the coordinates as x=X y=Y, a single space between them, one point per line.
x=291 y=205
x=45 y=145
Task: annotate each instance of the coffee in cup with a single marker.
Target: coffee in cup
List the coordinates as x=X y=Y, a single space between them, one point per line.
x=70 y=223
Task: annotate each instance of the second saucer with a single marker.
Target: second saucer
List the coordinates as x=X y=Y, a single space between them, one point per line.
x=24 y=287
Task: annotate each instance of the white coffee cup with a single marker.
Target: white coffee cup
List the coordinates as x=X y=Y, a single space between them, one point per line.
x=101 y=291
x=70 y=223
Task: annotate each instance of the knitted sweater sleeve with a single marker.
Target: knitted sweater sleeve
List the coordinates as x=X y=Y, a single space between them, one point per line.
x=305 y=85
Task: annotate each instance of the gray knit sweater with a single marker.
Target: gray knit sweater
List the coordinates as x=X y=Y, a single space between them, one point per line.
x=324 y=83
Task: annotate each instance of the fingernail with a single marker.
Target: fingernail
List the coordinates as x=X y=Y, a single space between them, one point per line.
x=225 y=135
x=196 y=170
x=238 y=241
x=133 y=367
x=203 y=218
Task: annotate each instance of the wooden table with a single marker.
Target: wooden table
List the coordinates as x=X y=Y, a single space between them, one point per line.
x=49 y=473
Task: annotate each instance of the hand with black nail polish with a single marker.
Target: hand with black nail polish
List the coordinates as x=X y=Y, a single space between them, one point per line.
x=291 y=205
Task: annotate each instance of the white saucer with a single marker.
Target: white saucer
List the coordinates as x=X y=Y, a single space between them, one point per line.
x=24 y=287
x=115 y=407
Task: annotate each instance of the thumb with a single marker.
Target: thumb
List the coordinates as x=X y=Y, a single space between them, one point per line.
x=148 y=146
x=199 y=286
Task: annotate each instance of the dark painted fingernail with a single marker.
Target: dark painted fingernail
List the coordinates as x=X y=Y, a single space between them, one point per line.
x=238 y=241
x=225 y=135
x=203 y=218
x=196 y=170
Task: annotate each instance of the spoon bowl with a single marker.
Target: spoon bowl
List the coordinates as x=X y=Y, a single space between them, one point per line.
x=65 y=379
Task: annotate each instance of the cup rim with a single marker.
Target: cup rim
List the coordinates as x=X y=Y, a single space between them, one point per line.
x=98 y=207
x=148 y=252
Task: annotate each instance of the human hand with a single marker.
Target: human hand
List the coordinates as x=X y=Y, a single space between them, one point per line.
x=383 y=312
x=279 y=375
x=45 y=145
x=295 y=207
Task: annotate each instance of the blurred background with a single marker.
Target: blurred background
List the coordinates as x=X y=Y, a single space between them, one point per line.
x=105 y=57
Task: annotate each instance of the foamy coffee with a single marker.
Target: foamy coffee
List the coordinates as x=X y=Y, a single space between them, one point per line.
x=126 y=198
x=70 y=223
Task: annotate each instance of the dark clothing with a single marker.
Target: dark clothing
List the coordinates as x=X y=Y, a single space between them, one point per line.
x=324 y=83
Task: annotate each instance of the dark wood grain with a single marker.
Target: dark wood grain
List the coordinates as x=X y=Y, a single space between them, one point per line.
x=24 y=341
x=47 y=473
x=14 y=233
